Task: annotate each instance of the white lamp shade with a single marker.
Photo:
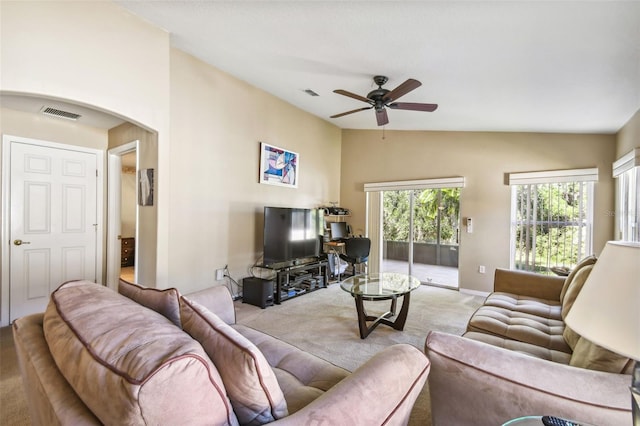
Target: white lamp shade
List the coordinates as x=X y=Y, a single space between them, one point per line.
x=607 y=309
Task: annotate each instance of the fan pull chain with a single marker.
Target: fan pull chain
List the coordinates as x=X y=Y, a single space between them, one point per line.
x=383 y=127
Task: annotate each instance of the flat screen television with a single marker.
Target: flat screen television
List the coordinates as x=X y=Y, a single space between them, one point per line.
x=291 y=235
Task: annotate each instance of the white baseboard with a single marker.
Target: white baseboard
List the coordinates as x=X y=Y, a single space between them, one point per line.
x=474 y=292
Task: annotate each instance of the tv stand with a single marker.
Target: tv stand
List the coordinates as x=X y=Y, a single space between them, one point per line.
x=297 y=280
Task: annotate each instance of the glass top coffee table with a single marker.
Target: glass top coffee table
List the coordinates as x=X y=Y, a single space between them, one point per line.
x=381 y=286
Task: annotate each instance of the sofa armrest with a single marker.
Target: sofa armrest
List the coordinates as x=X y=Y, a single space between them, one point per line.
x=51 y=400
x=391 y=381
x=218 y=300
x=528 y=284
x=495 y=385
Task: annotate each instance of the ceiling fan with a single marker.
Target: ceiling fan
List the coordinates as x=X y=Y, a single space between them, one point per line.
x=380 y=99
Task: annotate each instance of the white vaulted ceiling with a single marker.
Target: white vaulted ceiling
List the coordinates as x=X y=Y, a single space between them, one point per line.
x=533 y=66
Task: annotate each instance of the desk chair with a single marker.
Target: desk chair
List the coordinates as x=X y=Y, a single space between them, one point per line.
x=356 y=251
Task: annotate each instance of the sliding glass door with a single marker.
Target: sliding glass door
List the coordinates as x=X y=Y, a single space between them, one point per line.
x=420 y=234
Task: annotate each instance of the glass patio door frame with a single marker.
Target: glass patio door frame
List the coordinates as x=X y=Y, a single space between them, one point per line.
x=374 y=207
x=411 y=237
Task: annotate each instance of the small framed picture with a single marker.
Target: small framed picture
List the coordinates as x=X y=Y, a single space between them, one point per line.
x=145 y=187
x=278 y=166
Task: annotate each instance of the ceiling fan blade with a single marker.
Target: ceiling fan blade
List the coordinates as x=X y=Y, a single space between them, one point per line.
x=350 y=112
x=414 y=106
x=381 y=116
x=401 y=90
x=352 y=95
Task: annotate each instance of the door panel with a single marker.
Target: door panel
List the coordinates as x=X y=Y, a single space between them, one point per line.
x=37 y=273
x=53 y=218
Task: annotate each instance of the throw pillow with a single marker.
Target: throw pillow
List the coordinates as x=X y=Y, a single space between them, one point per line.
x=574 y=289
x=571 y=337
x=593 y=357
x=164 y=302
x=589 y=260
x=128 y=363
x=251 y=384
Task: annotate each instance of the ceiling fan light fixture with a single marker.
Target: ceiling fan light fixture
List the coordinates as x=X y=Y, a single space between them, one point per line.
x=380 y=99
x=380 y=80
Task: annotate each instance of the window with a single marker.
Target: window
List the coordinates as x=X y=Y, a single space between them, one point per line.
x=551 y=219
x=627 y=173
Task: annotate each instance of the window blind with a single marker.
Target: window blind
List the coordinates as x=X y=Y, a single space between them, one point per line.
x=626 y=162
x=451 y=182
x=554 y=176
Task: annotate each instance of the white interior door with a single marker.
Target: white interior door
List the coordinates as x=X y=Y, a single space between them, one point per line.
x=53 y=222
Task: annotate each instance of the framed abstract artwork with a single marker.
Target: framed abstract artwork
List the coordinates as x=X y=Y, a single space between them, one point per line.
x=145 y=187
x=278 y=166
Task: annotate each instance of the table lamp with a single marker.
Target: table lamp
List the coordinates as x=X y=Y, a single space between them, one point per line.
x=607 y=311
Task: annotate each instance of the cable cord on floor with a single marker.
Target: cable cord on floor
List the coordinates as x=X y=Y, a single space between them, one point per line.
x=238 y=294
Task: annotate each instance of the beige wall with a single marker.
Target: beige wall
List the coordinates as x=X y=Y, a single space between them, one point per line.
x=217 y=203
x=38 y=126
x=208 y=127
x=98 y=55
x=483 y=159
x=629 y=136
x=94 y=53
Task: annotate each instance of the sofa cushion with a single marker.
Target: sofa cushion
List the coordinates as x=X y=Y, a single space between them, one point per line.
x=250 y=382
x=589 y=260
x=162 y=301
x=523 y=327
x=529 y=305
x=302 y=376
x=128 y=363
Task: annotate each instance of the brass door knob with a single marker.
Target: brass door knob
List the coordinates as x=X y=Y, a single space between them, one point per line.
x=20 y=242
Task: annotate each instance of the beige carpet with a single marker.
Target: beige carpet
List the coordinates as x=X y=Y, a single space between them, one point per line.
x=323 y=323
x=13 y=404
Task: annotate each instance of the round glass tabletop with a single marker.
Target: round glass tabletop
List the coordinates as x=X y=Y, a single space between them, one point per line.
x=380 y=285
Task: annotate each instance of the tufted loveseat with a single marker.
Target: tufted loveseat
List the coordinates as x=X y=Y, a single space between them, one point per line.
x=519 y=358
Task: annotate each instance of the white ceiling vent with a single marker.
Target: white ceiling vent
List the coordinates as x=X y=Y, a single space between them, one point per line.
x=54 y=112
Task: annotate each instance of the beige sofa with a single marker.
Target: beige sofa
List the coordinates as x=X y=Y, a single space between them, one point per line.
x=154 y=357
x=518 y=358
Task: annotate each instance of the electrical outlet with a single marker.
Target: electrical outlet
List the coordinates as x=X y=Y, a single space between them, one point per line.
x=219 y=274
x=481 y=269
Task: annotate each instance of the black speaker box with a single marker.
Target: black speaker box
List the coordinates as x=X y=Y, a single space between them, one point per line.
x=257 y=292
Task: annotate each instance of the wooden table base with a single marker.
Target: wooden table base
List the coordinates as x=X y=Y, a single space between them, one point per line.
x=363 y=317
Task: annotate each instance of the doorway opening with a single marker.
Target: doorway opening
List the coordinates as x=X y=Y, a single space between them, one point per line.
x=122 y=233
x=421 y=234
